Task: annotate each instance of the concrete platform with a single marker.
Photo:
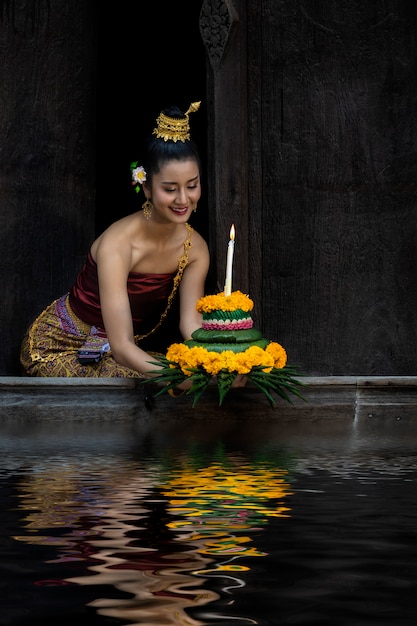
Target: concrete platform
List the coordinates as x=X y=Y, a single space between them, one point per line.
x=344 y=397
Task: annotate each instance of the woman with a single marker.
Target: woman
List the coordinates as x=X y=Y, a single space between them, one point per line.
x=133 y=273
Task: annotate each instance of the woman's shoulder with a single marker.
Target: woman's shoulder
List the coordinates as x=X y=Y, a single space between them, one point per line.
x=194 y=234
x=199 y=249
x=124 y=225
x=118 y=233
x=197 y=240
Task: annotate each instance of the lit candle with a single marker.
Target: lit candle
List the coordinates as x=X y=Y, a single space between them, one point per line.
x=229 y=264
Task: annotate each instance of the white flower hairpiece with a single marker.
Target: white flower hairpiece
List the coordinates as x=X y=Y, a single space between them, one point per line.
x=138 y=175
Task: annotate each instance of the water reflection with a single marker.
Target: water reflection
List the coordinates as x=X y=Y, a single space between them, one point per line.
x=169 y=533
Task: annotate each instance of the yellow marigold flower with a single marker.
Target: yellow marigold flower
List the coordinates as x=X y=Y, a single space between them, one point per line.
x=196 y=356
x=278 y=353
x=213 y=363
x=257 y=356
x=229 y=362
x=236 y=300
x=177 y=352
x=243 y=362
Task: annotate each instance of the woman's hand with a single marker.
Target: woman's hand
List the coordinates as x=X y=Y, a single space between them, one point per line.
x=185 y=385
x=240 y=381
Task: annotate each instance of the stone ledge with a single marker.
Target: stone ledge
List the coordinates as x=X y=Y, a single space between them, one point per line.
x=336 y=397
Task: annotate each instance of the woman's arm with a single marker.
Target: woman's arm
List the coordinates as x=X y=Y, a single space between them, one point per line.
x=113 y=258
x=192 y=286
x=113 y=266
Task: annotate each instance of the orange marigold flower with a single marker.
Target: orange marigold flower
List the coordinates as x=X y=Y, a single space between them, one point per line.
x=256 y=356
x=213 y=363
x=176 y=352
x=220 y=302
x=243 y=362
x=229 y=360
x=278 y=353
x=196 y=357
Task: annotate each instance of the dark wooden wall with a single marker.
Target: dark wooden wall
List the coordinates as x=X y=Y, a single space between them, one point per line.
x=315 y=135
x=308 y=128
x=47 y=149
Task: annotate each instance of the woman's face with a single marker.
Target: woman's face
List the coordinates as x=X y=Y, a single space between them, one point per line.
x=175 y=190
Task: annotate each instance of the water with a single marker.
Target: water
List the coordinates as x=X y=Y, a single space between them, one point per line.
x=208 y=523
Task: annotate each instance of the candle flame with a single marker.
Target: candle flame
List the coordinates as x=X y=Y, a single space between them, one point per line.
x=232 y=232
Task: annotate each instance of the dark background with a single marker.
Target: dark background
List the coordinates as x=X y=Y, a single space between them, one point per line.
x=150 y=55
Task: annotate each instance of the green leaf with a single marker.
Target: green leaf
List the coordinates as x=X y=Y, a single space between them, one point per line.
x=280 y=381
x=198 y=388
x=265 y=391
x=168 y=377
x=224 y=382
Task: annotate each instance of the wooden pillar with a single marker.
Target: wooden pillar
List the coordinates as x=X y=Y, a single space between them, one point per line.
x=225 y=42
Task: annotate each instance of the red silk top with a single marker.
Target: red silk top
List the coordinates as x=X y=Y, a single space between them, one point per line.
x=148 y=295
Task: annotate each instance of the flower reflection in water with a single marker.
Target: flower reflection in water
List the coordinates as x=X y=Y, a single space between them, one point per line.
x=155 y=531
x=220 y=502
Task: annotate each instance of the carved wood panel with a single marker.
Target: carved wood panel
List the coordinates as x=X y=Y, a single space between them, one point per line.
x=315 y=134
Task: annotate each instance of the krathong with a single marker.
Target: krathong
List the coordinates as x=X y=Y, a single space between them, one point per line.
x=226 y=354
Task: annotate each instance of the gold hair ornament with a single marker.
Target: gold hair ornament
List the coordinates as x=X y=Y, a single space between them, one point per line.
x=169 y=128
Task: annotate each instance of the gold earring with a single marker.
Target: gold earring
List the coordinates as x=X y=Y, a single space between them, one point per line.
x=147 y=207
x=195 y=208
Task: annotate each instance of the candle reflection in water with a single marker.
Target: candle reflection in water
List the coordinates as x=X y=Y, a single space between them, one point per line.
x=156 y=532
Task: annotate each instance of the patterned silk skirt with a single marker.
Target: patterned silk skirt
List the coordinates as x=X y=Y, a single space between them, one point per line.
x=57 y=339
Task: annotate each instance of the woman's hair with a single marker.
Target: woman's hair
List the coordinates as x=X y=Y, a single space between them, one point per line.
x=159 y=151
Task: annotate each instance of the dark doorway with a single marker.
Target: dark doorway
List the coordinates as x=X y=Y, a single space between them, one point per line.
x=150 y=55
